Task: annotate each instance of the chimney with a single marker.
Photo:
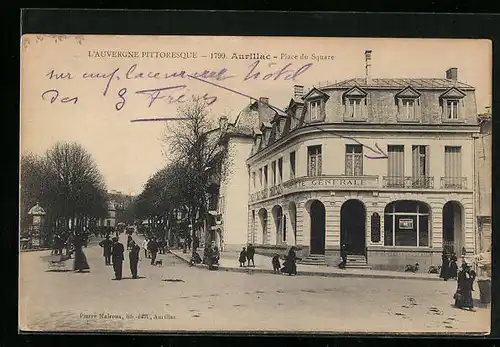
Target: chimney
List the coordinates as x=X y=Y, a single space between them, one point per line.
x=368 y=60
x=298 y=91
x=265 y=112
x=452 y=74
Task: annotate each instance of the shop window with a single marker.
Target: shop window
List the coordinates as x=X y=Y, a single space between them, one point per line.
x=406 y=224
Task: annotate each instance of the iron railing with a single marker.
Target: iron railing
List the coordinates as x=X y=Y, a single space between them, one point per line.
x=454 y=182
x=408 y=182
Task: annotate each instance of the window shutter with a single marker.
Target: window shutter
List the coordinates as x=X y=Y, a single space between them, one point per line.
x=415 y=162
x=427 y=161
x=322 y=110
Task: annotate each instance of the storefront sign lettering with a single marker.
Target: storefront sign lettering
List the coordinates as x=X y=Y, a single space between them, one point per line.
x=333 y=182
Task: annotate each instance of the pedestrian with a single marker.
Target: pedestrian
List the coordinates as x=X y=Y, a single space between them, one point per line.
x=107 y=246
x=80 y=262
x=133 y=256
x=117 y=256
x=54 y=245
x=196 y=243
x=289 y=266
x=445 y=266
x=276 y=263
x=343 y=255
x=145 y=247
x=129 y=242
x=153 y=249
x=465 y=282
x=250 y=254
x=243 y=257
x=453 y=267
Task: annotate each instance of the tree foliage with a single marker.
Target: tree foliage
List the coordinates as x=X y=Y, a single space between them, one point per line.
x=198 y=153
x=66 y=182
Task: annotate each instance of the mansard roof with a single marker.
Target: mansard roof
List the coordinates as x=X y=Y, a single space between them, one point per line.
x=295 y=101
x=399 y=83
x=264 y=125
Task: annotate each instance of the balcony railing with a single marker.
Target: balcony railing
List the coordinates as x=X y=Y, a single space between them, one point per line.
x=408 y=182
x=454 y=182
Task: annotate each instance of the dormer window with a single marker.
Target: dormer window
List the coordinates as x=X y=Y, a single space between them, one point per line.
x=408 y=103
x=354 y=101
x=452 y=109
x=355 y=108
x=452 y=105
x=408 y=109
x=315 y=101
x=315 y=110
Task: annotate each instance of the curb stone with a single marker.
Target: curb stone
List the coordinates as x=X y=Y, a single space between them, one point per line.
x=314 y=273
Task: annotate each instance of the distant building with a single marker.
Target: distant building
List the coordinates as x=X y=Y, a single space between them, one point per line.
x=110 y=220
x=228 y=206
x=483 y=146
x=117 y=203
x=384 y=165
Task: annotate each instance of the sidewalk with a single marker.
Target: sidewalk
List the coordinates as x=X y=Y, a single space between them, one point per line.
x=229 y=262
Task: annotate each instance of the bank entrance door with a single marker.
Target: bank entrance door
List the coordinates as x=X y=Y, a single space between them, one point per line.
x=353 y=226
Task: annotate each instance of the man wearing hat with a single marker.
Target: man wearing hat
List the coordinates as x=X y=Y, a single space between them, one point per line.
x=107 y=246
x=117 y=256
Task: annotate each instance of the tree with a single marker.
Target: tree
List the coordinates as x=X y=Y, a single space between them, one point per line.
x=67 y=183
x=200 y=150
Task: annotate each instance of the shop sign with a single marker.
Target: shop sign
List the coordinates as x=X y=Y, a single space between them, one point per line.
x=406 y=223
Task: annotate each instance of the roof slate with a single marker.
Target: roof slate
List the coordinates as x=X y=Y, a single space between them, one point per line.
x=439 y=83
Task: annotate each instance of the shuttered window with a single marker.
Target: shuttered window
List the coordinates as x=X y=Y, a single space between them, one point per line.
x=452 y=166
x=396 y=165
x=420 y=166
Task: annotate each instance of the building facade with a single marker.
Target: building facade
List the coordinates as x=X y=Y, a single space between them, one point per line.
x=385 y=166
x=110 y=220
x=483 y=146
x=228 y=203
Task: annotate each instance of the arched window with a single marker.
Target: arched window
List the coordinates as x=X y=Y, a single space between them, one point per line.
x=406 y=223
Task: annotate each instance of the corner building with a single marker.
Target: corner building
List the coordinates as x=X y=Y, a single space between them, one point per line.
x=384 y=165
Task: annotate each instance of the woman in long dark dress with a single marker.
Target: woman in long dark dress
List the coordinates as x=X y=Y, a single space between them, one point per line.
x=289 y=266
x=80 y=263
x=445 y=267
x=465 y=282
x=453 y=267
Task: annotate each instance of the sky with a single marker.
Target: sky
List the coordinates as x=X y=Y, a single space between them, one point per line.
x=128 y=153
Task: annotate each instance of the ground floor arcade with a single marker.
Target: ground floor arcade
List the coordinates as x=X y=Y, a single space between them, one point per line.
x=391 y=229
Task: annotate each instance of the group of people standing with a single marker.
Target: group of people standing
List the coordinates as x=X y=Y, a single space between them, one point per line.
x=113 y=252
x=465 y=279
x=449 y=267
x=247 y=255
x=66 y=240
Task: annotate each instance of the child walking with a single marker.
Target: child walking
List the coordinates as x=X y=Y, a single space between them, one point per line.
x=243 y=257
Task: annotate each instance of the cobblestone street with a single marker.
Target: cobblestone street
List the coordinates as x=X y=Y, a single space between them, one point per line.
x=177 y=297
